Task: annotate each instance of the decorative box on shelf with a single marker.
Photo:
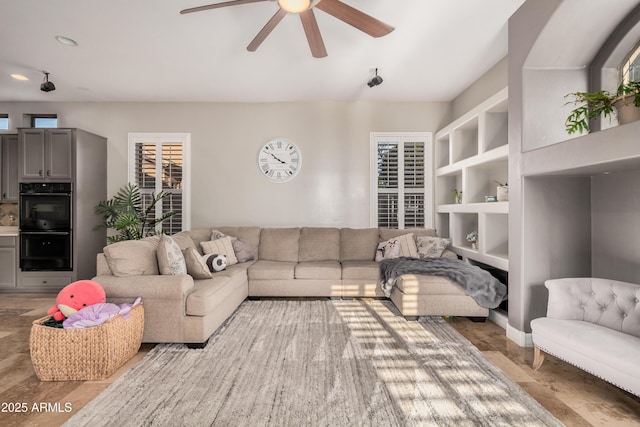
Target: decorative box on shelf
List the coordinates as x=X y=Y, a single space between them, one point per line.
x=490 y=199
x=93 y=353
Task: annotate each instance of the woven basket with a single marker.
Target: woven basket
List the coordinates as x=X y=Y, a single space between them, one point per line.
x=85 y=354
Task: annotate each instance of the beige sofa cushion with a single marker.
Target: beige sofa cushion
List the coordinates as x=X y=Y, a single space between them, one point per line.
x=358 y=244
x=360 y=270
x=323 y=270
x=184 y=240
x=319 y=244
x=279 y=244
x=272 y=270
x=133 y=257
x=207 y=295
x=198 y=236
x=388 y=233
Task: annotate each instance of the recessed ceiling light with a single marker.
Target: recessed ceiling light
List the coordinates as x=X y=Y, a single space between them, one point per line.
x=66 y=41
x=19 y=77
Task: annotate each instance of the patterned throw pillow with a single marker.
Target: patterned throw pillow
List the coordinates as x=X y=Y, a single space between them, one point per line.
x=221 y=246
x=431 y=247
x=387 y=250
x=170 y=259
x=241 y=248
x=196 y=266
x=215 y=262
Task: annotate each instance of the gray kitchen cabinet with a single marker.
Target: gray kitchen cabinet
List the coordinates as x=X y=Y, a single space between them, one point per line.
x=8 y=262
x=9 y=178
x=46 y=154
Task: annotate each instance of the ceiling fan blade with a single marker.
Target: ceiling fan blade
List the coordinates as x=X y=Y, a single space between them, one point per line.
x=355 y=18
x=266 y=30
x=312 y=31
x=219 y=5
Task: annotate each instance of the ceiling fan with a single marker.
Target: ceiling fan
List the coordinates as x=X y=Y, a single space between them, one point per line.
x=304 y=8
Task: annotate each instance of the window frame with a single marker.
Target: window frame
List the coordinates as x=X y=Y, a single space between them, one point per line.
x=159 y=139
x=401 y=138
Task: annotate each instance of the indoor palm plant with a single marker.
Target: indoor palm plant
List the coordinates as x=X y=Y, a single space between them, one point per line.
x=591 y=105
x=126 y=213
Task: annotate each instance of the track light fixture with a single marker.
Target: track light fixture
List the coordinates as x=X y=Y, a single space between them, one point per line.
x=375 y=81
x=47 y=86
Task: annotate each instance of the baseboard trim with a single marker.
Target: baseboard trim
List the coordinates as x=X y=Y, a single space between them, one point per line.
x=521 y=338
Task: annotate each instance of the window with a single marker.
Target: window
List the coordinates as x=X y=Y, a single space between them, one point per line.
x=4 y=121
x=401 y=180
x=160 y=162
x=630 y=68
x=44 y=120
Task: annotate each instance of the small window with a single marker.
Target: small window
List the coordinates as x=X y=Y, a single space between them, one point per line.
x=44 y=121
x=630 y=68
x=4 y=121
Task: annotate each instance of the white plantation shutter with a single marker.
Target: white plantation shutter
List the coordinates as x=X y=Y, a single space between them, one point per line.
x=401 y=191
x=159 y=162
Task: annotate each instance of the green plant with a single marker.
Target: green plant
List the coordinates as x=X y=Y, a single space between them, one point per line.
x=457 y=195
x=126 y=213
x=593 y=104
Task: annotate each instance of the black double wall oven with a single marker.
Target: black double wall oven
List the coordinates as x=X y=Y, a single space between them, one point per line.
x=46 y=226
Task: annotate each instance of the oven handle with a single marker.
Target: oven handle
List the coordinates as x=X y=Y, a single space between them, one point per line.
x=46 y=194
x=45 y=232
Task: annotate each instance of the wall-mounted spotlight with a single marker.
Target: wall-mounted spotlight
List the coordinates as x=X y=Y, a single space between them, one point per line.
x=375 y=81
x=47 y=86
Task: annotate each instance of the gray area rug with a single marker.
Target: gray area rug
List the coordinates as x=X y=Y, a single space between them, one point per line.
x=317 y=363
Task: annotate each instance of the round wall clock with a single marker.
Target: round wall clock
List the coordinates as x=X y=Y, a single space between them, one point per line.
x=279 y=160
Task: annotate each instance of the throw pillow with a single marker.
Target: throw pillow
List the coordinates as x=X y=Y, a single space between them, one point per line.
x=387 y=250
x=170 y=259
x=215 y=262
x=217 y=234
x=431 y=247
x=243 y=250
x=196 y=266
x=407 y=245
x=221 y=246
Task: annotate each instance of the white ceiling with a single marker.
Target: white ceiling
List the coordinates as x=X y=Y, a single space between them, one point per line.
x=144 y=50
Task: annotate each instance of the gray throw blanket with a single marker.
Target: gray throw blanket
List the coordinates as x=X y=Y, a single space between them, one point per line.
x=479 y=284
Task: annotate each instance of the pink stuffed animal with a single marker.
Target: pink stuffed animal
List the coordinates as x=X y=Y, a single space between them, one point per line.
x=76 y=296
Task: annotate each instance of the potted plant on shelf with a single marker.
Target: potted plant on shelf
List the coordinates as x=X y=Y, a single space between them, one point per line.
x=590 y=105
x=502 y=191
x=457 y=196
x=126 y=213
x=473 y=239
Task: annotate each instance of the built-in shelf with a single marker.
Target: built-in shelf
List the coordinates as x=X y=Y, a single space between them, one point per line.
x=471 y=156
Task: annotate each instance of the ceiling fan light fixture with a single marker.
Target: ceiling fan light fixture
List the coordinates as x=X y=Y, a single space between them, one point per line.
x=295 y=6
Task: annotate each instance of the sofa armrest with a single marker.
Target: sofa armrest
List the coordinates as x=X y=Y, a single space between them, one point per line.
x=148 y=287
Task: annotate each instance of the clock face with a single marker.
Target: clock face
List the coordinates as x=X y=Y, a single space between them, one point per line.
x=279 y=160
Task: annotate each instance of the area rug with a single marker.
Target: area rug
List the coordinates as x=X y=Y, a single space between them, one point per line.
x=317 y=363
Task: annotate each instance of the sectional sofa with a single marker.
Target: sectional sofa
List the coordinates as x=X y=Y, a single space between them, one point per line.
x=285 y=262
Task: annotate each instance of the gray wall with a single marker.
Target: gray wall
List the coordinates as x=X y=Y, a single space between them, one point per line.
x=564 y=215
x=487 y=85
x=616 y=226
x=332 y=188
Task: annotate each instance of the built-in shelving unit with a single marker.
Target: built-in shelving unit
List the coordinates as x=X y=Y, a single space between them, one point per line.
x=471 y=155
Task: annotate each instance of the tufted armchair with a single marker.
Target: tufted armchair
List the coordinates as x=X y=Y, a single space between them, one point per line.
x=593 y=324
